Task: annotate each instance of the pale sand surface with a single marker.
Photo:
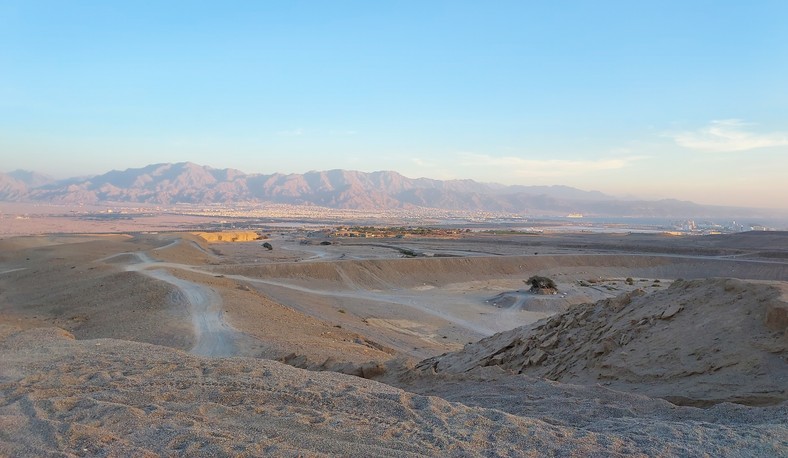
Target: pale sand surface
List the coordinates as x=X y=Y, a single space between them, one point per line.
x=113 y=398
x=357 y=307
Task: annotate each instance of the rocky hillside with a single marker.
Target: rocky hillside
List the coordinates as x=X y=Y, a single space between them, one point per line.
x=697 y=342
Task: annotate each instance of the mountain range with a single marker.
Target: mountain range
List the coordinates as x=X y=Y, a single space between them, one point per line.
x=185 y=182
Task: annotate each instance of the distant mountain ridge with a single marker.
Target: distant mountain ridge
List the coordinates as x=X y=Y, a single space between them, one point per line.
x=185 y=182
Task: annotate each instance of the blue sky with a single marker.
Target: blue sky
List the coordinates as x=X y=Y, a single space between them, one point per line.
x=679 y=99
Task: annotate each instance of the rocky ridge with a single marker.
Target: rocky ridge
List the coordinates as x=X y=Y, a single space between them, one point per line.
x=698 y=342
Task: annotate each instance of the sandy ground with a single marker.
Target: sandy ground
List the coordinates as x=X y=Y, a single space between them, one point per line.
x=356 y=307
x=117 y=398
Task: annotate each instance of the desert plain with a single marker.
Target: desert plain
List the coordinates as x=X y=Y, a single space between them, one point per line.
x=177 y=344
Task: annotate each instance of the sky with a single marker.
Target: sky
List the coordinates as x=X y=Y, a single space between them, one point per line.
x=650 y=99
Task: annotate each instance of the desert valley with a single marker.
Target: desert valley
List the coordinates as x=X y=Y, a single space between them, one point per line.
x=393 y=229
x=293 y=342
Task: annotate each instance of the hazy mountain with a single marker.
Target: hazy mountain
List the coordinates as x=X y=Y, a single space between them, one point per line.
x=191 y=183
x=31 y=179
x=11 y=188
x=186 y=182
x=15 y=185
x=557 y=191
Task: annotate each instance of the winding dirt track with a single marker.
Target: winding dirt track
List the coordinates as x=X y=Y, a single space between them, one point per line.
x=214 y=336
x=209 y=324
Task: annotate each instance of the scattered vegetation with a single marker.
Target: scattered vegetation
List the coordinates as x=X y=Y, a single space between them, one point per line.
x=509 y=232
x=395 y=231
x=408 y=252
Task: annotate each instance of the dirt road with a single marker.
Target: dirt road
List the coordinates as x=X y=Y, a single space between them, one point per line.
x=214 y=337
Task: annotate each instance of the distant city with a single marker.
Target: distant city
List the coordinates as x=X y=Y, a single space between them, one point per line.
x=400 y=222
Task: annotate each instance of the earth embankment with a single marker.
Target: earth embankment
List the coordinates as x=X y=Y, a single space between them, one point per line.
x=406 y=273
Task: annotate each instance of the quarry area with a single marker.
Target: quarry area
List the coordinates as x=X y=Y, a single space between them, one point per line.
x=286 y=343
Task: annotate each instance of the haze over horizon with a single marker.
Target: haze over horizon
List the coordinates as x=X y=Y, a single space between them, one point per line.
x=670 y=100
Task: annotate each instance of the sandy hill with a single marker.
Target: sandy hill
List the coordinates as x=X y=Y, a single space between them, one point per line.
x=106 y=397
x=696 y=342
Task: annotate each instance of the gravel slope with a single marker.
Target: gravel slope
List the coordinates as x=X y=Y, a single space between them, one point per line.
x=62 y=397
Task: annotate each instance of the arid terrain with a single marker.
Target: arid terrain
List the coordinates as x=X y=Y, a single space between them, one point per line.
x=146 y=344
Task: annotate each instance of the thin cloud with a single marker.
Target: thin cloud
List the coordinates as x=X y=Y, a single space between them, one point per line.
x=342 y=133
x=423 y=162
x=291 y=133
x=544 y=167
x=728 y=135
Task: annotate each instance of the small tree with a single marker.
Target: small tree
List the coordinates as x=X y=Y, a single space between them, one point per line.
x=542 y=285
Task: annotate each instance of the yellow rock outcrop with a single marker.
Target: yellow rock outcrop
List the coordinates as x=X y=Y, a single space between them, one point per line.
x=228 y=236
